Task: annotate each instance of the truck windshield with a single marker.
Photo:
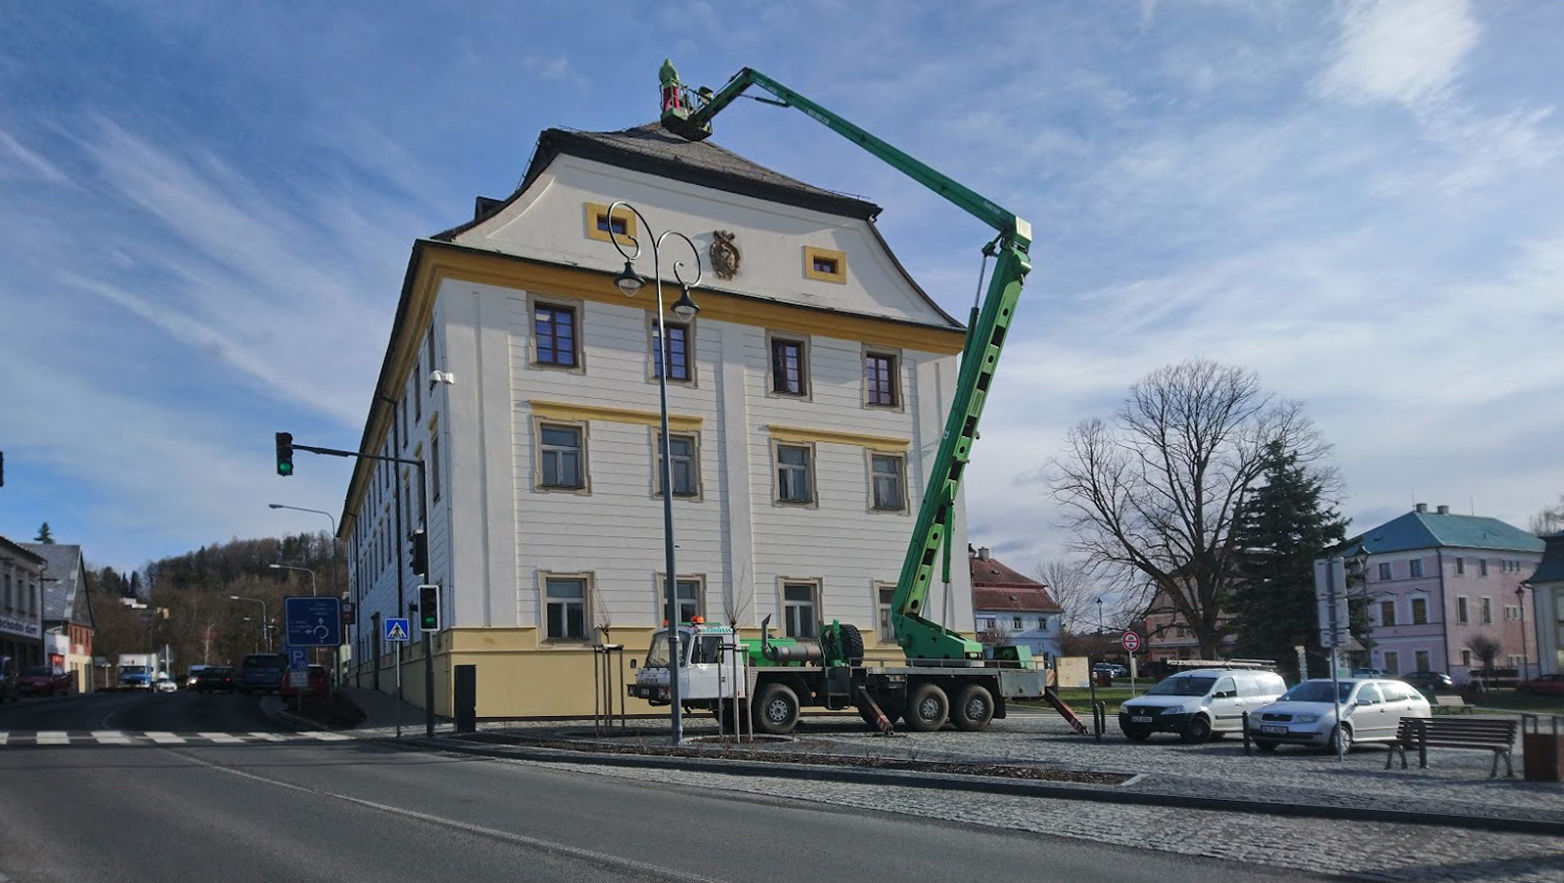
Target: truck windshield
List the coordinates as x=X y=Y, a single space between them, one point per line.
x=132 y=669
x=1186 y=685
x=657 y=655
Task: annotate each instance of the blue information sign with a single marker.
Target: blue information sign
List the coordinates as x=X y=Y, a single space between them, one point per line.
x=313 y=622
x=298 y=659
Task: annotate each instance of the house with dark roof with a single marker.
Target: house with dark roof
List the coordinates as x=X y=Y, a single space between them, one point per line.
x=1009 y=608
x=67 y=611
x=803 y=400
x=1434 y=582
x=1546 y=583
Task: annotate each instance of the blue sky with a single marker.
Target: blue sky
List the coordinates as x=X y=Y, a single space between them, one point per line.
x=208 y=209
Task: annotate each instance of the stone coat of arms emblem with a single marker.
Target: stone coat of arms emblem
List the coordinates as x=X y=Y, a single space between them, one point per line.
x=724 y=254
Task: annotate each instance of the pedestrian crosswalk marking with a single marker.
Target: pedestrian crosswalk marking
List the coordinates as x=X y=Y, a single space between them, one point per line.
x=51 y=737
x=225 y=738
x=110 y=737
x=165 y=738
x=269 y=737
x=4 y=737
x=16 y=739
x=325 y=736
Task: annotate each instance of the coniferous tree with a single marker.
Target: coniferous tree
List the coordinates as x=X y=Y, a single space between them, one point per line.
x=44 y=535
x=1282 y=527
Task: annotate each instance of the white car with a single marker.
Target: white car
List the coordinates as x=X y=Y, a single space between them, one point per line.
x=1371 y=709
x=165 y=684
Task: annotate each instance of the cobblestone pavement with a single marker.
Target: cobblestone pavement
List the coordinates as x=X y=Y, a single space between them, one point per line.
x=1456 y=782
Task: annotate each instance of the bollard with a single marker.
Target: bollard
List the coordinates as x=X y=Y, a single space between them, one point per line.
x=1099 y=717
x=465 y=698
x=1246 y=732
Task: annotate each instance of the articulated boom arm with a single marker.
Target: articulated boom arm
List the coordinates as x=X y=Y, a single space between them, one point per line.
x=689 y=116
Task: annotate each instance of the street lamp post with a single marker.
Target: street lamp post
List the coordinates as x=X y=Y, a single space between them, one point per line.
x=1520 y=602
x=629 y=282
x=292 y=567
x=265 y=632
x=335 y=570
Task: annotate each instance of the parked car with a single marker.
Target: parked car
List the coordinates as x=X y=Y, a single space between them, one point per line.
x=9 y=689
x=1201 y=704
x=1111 y=669
x=1546 y=685
x=214 y=679
x=1430 y=681
x=192 y=676
x=1367 y=673
x=262 y=673
x=1371 y=709
x=44 y=680
x=319 y=683
x=165 y=684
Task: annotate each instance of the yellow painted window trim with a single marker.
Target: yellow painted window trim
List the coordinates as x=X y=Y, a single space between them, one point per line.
x=811 y=254
x=564 y=411
x=596 y=210
x=796 y=434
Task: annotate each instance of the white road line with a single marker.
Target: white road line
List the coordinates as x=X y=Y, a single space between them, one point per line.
x=221 y=738
x=549 y=846
x=4 y=738
x=51 y=737
x=324 y=736
x=269 y=737
x=111 y=737
x=165 y=738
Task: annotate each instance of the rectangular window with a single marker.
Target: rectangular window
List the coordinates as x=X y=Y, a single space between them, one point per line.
x=598 y=225
x=1512 y=613
x=418 y=393
x=1421 y=658
x=1392 y=663
x=686 y=469
x=677 y=354
x=434 y=465
x=1015 y=623
x=1482 y=567
x=1415 y=567
x=1466 y=657
x=1387 y=613
x=1460 y=611
x=798 y=609
x=1485 y=607
x=879 y=380
x=825 y=264
x=793 y=479
x=887 y=594
x=1460 y=566
x=886 y=470
x=560 y=460
x=1384 y=571
x=567 y=605
x=554 y=332
x=431 y=343
x=690 y=595
x=1420 y=611
x=789 y=373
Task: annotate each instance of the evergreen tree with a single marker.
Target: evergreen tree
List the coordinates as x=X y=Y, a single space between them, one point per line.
x=1280 y=530
x=44 y=536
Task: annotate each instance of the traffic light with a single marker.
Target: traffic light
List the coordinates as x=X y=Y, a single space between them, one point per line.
x=418 y=551
x=284 y=453
x=429 y=608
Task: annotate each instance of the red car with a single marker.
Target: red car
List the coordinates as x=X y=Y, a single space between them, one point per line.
x=319 y=683
x=44 y=681
x=1544 y=685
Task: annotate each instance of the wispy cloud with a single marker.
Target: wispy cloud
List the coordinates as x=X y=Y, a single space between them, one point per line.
x=1405 y=51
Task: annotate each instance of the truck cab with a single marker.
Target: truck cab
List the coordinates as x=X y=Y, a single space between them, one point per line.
x=710 y=665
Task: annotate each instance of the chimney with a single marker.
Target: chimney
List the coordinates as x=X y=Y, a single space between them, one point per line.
x=983 y=552
x=1444 y=510
x=1422 y=507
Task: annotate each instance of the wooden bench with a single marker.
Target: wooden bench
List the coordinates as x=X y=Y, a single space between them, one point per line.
x=1483 y=734
x=1450 y=704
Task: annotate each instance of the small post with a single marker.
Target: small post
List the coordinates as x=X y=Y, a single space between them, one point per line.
x=1246 y=732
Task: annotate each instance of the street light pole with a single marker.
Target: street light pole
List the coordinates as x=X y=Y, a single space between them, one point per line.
x=304 y=569
x=335 y=570
x=265 y=631
x=1520 y=601
x=629 y=282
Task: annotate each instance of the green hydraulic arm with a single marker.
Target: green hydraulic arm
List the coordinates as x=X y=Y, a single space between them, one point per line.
x=688 y=114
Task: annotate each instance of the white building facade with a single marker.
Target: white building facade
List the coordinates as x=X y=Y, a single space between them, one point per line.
x=805 y=401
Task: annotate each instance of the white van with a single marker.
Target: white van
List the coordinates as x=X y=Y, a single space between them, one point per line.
x=1201 y=704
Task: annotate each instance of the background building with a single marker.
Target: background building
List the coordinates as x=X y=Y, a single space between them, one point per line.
x=21 y=608
x=1547 y=606
x=806 y=401
x=1435 y=582
x=67 y=612
x=1013 y=608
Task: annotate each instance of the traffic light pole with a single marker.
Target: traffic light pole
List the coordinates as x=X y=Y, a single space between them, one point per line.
x=423 y=519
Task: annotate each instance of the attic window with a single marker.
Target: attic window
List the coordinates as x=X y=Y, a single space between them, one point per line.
x=597 y=222
x=825 y=265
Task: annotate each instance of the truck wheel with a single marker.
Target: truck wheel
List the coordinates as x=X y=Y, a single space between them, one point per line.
x=852 y=643
x=974 y=708
x=927 y=709
x=776 y=709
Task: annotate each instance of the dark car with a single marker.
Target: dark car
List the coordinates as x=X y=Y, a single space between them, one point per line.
x=1430 y=681
x=319 y=683
x=8 y=676
x=1545 y=685
x=262 y=673
x=214 y=679
x=44 y=680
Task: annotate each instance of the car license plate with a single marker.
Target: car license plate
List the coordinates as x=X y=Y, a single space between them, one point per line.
x=1141 y=719
x=1274 y=730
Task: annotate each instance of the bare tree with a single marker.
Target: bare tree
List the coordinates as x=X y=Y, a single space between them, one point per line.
x=1072 y=588
x=1152 y=499
x=995 y=635
x=1485 y=647
x=1550 y=520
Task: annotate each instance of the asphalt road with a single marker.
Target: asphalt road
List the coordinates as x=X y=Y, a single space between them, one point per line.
x=351 y=810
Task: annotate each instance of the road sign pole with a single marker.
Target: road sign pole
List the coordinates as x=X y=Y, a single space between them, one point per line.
x=428 y=686
x=399 y=691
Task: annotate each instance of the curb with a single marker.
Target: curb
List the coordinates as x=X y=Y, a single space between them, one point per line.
x=989 y=785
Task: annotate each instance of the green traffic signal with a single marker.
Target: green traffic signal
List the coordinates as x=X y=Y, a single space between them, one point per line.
x=284 y=453
x=429 y=608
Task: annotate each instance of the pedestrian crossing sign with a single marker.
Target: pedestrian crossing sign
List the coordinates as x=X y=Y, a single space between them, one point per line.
x=397 y=631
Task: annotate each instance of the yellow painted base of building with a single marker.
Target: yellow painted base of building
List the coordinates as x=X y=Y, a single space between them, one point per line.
x=521 y=676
